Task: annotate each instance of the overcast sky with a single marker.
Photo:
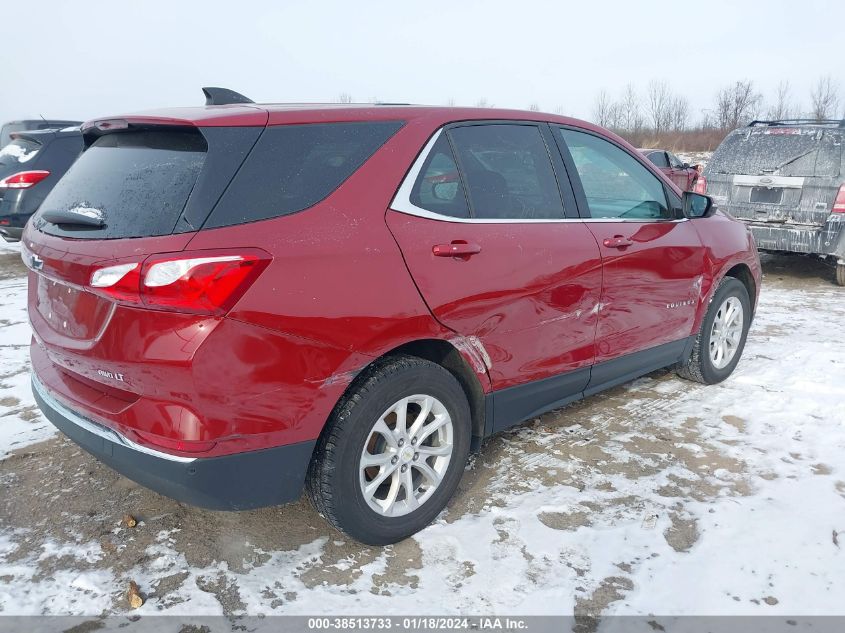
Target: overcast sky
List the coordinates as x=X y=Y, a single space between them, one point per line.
x=86 y=59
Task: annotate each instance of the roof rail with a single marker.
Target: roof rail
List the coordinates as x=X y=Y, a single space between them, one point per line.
x=837 y=122
x=223 y=96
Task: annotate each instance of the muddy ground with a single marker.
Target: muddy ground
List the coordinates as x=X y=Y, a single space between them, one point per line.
x=638 y=455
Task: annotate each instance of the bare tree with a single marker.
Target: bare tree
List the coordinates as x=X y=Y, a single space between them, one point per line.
x=560 y=110
x=534 y=107
x=605 y=112
x=450 y=102
x=679 y=113
x=824 y=99
x=630 y=116
x=781 y=108
x=736 y=105
x=659 y=105
x=344 y=97
x=483 y=103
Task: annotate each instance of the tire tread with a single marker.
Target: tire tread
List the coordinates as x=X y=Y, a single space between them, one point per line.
x=323 y=464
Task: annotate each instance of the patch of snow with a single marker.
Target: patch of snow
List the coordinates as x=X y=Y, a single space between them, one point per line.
x=88 y=212
x=20 y=153
x=698 y=500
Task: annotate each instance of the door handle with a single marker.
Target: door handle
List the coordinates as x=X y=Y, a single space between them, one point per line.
x=617 y=241
x=458 y=248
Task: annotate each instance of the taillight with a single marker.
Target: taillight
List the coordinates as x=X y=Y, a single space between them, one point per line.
x=200 y=282
x=700 y=185
x=23 y=179
x=839 y=203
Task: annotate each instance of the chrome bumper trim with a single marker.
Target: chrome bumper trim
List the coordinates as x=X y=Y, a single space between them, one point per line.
x=99 y=430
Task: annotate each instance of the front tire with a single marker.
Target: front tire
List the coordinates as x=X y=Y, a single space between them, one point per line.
x=393 y=452
x=721 y=339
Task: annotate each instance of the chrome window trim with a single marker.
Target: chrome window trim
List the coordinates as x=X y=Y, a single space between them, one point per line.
x=402 y=202
x=99 y=430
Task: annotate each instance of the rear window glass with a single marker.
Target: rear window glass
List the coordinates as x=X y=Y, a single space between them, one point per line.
x=659 y=159
x=138 y=182
x=780 y=151
x=18 y=152
x=292 y=167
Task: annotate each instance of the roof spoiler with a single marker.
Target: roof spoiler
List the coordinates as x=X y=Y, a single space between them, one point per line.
x=837 y=122
x=223 y=96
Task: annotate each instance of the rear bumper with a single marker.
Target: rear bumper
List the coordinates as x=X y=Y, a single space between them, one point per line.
x=242 y=481
x=825 y=240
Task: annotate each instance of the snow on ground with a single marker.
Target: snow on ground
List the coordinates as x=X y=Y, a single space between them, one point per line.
x=661 y=496
x=695 y=158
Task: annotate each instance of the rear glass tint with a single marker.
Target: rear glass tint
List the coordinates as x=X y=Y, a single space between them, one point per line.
x=138 y=182
x=292 y=167
x=780 y=151
x=18 y=152
x=438 y=187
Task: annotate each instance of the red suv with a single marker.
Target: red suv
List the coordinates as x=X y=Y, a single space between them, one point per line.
x=232 y=303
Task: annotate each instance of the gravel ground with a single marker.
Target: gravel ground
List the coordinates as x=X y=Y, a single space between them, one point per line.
x=660 y=496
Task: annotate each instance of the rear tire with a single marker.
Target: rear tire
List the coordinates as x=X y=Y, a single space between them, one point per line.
x=720 y=332
x=380 y=475
x=840 y=274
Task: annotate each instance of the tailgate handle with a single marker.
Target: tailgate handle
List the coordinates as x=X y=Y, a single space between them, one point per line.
x=617 y=241
x=458 y=248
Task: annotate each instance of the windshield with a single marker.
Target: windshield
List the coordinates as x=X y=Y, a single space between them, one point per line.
x=778 y=151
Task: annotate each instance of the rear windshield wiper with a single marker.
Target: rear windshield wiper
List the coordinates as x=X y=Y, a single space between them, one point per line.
x=78 y=216
x=792 y=160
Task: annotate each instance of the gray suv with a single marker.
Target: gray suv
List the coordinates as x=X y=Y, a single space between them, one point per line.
x=785 y=179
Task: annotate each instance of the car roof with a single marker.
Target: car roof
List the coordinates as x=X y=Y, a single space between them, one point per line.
x=300 y=113
x=44 y=135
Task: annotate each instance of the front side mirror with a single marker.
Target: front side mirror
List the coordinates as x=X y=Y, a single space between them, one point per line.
x=697 y=205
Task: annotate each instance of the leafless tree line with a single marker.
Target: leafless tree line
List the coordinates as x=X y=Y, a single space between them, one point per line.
x=659 y=110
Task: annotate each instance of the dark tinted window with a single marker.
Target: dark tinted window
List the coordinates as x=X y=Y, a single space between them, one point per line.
x=507 y=172
x=292 y=167
x=659 y=159
x=438 y=187
x=616 y=184
x=780 y=151
x=138 y=182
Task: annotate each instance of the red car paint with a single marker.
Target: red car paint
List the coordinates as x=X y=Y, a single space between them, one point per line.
x=338 y=294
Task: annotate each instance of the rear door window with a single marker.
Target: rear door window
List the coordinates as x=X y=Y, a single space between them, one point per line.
x=137 y=182
x=438 y=188
x=507 y=172
x=293 y=167
x=779 y=151
x=616 y=185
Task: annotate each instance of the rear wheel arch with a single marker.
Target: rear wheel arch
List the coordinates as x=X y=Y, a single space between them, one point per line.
x=455 y=362
x=437 y=351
